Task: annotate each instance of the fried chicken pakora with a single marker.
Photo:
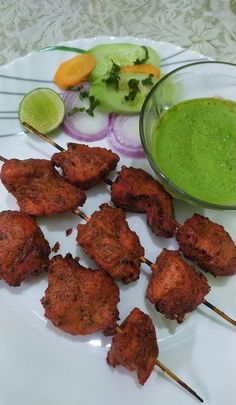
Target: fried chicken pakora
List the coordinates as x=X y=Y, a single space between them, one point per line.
x=38 y=188
x=175 y=287
x=79 y=300
x=136 y=191
x=109 y=241
x=24 y=251
x=134 y=345
x=208 y=245
x=85 y=166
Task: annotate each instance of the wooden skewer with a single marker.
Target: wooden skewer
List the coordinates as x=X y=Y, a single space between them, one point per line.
x=143 y=259
x=43 y=136
x=171 y=374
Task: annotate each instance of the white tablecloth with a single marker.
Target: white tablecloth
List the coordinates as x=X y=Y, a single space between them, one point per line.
x=208 y=26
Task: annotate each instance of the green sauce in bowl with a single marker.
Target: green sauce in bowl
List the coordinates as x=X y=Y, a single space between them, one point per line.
x=194 y=146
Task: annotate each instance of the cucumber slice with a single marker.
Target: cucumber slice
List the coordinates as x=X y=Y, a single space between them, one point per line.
x=121 y=54
x=113 y=100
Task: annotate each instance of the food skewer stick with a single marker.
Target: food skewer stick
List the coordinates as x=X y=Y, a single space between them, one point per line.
x=170 y=373
x=80 y=213
x=43 y=136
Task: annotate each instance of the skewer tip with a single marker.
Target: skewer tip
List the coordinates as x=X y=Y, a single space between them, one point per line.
x=219 y=312
x=178 y=380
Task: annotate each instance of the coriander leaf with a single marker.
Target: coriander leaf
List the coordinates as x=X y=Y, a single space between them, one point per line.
x=94 y=102
x=148 y=81
x=114 y=78
x=75 y=110
x=134 y=86
x=83 y=94
x=144 y=60
x=72 y=88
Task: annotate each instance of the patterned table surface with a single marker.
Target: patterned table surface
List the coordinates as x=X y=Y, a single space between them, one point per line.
x=207 y=26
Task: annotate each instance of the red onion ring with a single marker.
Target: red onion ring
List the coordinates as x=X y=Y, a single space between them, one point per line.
x=124 y=136
x=73 y=125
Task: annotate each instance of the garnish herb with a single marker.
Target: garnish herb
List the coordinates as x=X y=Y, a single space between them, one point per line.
x=148 y=81
x=83 y=94
x=114 y=78
x=94 y=102
x=72 y=88
x=134 y=86
x=75 y=110
x=144 y=60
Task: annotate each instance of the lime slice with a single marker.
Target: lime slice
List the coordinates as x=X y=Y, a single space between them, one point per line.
x=42 y=108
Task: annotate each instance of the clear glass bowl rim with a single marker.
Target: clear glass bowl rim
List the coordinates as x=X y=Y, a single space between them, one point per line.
x=183 y=195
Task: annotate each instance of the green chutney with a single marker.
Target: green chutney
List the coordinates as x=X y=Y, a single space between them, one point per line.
x=194 y=145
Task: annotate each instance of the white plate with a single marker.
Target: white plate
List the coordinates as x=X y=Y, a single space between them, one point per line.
x=42 y=365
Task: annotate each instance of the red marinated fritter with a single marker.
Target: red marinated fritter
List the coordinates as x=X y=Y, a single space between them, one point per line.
x=208 y=245
x=78 y=300
x=85 y=166
x=136 y=191
x=24 y=251
x=38 y=188
x=108 y=240
x=175 y=288
x=134 y=345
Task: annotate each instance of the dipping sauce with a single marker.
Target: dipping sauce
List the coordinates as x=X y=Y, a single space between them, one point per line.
x=194 y=145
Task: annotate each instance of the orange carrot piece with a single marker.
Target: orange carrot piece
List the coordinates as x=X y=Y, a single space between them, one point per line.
x=142 y=68
x=73 y=71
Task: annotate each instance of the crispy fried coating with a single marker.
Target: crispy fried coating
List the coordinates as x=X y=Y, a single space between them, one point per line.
x=38 y=188
x=78 y=300
x=135 y=190
x=175 y=288
x=24 y=251
x=134 y=345
x=108 y=240
x=208 y=245
x=85 y=166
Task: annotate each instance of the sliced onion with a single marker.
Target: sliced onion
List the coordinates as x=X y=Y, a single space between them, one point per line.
x=80 y=125
x=124 y=135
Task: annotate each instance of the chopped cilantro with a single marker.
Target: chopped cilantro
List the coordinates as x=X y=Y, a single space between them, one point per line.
x=75 y=110
x=114 y=78
x=148 y=81
x=72 y=88
x=134 y=86
x=94 y=102
x=83 y=94
x=144 y=60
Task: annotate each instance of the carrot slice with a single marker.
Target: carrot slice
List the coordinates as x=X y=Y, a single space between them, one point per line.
x=142 y=68
x=73 y=71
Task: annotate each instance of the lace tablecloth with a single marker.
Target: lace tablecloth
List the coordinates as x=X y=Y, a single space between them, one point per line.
x=207 y=26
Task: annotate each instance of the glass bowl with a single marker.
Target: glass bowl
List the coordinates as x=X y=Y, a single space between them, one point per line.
x=196 y=80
